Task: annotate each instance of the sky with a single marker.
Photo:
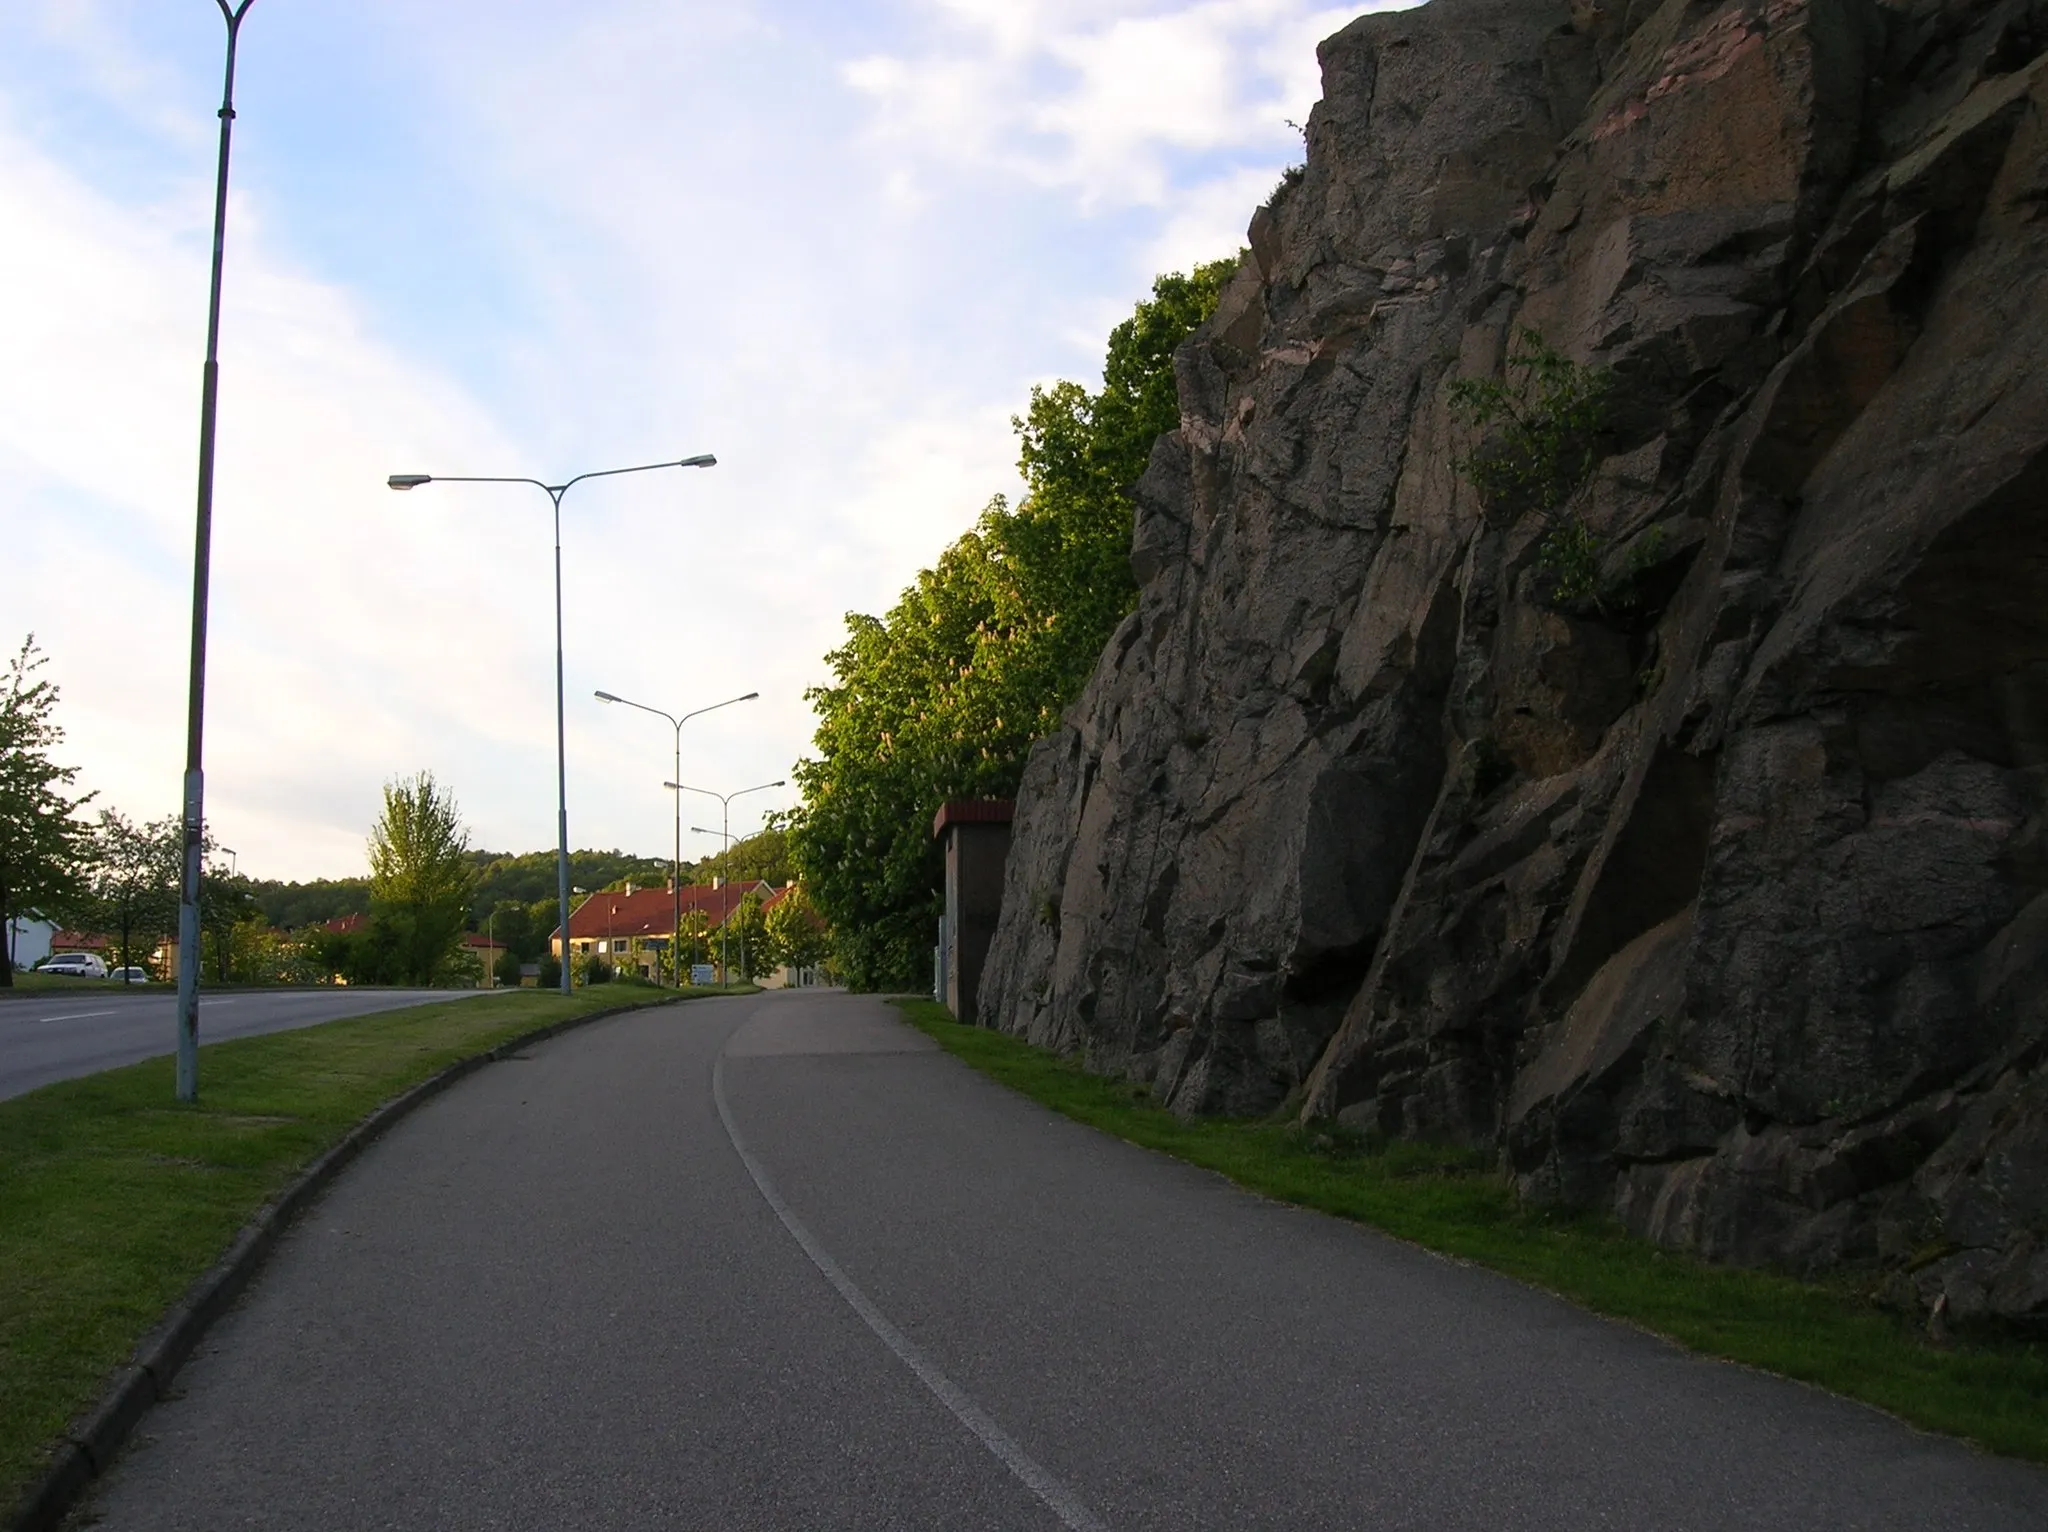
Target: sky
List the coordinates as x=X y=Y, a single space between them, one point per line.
x=834 y=244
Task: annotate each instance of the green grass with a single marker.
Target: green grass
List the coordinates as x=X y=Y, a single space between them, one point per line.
x=1987 y=1390
x=28 y=984
x=114 y=1198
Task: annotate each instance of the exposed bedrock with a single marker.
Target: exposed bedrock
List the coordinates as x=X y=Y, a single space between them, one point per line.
x=1725 y=907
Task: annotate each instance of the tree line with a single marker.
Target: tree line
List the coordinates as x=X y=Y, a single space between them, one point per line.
x=943 y=696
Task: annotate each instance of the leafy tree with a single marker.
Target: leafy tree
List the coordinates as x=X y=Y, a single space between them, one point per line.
x=796 y=932
x=225 y=905
x=943 y=697
x=44 y=850
x=421 y=881
x=748 y=947
x=132 y=881
x=507 y=970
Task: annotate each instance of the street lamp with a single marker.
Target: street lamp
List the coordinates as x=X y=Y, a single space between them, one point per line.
x=676 y=873
x=554 y=493
x=202 y=567
x=725 y=879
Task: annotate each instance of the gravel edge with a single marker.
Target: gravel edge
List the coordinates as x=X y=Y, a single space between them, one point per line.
x=94 y=1438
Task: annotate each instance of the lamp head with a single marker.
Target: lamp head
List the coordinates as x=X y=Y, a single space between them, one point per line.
x=701 y=460
x=409 y=480
x=606 y=697
x=751 y=697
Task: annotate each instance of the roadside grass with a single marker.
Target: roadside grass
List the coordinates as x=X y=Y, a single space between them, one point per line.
x=1986 y=1389
x=114 y=1198
x=28 y=982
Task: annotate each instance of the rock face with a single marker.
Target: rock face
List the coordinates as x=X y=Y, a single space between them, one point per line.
x=1725 y=906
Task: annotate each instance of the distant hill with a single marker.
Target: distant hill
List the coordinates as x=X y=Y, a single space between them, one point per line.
x=504 y=877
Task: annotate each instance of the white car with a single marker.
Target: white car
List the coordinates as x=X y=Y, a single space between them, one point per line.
x=130 y=975
x=79 y=965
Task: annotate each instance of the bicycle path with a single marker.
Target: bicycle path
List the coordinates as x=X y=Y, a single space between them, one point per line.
x=777 y=1262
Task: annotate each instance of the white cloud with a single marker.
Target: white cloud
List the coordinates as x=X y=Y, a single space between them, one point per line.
x=1120 y=103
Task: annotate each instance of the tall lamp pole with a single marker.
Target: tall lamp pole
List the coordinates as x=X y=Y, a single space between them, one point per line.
x=725 y=854
x=675 y=881
x=554 y=493
x=202 y=563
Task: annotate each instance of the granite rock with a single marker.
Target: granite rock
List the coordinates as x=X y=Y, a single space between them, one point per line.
x=1725 y=906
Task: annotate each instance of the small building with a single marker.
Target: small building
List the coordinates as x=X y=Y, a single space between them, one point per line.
x=487 y=952
x=975 y=833
x=29 y=940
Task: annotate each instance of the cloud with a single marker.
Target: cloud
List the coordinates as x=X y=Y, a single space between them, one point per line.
x=835 y=249
x=1122 y=104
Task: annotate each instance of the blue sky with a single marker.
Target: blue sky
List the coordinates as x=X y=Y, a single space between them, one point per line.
x=834 y=244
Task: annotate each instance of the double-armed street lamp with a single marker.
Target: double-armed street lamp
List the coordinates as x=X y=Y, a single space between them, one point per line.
x=725 y=856
x=554 y=492
x=676 y=869
x=194 y=828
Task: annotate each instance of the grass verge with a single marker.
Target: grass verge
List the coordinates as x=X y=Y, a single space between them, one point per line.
x=114 y=1198
x=1991 y=1392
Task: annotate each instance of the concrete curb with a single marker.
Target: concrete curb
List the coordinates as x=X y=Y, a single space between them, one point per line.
x=93 y=1440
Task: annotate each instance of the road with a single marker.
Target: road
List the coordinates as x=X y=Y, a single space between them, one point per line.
x=48 y=1037
x=775 y=1262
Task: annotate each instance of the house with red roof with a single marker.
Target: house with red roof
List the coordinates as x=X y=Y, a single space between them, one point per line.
x=630 y=928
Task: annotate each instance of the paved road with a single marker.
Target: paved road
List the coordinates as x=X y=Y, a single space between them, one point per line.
x=49 y=1037
x=776 y=1263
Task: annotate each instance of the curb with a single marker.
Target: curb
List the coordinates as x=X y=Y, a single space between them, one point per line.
x=92 y=1440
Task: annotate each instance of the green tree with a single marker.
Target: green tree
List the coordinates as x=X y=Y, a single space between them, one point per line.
x=132 y=881
x=44 y=849
x=797 y=934
x=225 y=905
x=943 y=696
x=748 y=947
x=421 y=882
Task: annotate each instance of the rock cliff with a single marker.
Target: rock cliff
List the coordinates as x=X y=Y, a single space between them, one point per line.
x=1723 y=903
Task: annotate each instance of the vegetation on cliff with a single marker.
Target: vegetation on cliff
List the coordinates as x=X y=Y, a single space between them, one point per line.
x=943 y=697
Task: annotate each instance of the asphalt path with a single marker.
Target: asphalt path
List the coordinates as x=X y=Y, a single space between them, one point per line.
x=48 y=1037
x=775 y=1262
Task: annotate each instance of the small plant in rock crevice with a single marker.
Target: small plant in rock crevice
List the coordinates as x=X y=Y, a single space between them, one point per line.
x=1541 y=425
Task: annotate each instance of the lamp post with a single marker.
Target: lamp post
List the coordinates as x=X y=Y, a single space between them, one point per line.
x=675 y=881
x=202 y=566
x=725 y=855
x=554 y=492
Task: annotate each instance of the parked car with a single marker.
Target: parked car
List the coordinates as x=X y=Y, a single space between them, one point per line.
x=130 y=975
x=80 y=965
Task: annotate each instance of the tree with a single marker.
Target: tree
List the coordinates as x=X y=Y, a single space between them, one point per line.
x=44 y=849
x=797 y=934
x=748 y=947
x=133 y=880
x=421 y=881
x=943 y=697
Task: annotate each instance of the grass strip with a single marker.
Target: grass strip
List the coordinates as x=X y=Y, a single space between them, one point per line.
x=1985 y=1389
x=114 y=1198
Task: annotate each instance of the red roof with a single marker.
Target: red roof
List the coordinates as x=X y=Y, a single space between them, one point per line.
x=651 y=911
x=973 y=811
x=348 y=925
x=479 y=942
x=78 y=941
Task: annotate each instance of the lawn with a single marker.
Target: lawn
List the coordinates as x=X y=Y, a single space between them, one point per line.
x=1987 y=1389
x=114 y=1198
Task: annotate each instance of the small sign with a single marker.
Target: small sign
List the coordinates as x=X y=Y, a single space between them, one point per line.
x=703 y=973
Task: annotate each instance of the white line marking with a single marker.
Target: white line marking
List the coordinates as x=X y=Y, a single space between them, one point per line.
x=77 y=1015
x=1063 y=1502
